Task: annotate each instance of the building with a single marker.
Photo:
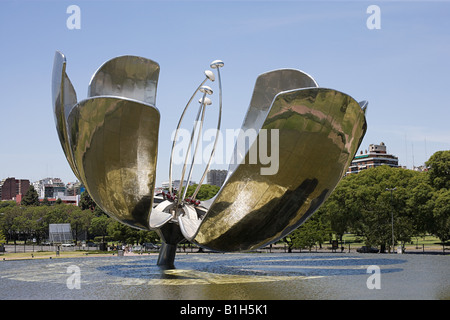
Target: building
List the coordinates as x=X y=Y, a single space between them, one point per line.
x=217 y=177
x=377 y=156
x=73 y=200
x=10 y=188
x=60 y=233
x=50 y=188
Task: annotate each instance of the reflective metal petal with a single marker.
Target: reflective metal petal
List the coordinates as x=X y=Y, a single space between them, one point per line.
x=267 y=86
x=64 y=99
x=130 y=77
x=159 y=215
x=115 y=144
x=319 y=133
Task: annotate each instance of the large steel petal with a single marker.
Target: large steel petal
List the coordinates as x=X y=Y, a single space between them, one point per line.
x=126 y=76
x=64 y=99
x=267 y=86
x=115 y=144
x=319 y=133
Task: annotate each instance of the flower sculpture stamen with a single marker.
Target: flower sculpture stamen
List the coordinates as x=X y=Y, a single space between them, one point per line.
x=110 y=140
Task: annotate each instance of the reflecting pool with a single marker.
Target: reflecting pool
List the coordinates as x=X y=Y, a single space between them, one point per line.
x=250 y=276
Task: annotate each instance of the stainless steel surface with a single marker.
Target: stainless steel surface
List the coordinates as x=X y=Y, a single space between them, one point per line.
x=115 y=145
x=63 y=99
x=201 y=112
x=267 y=86
x=216 y=64
x=209 y=75
x=319 y=133
x=131 y=77
x=161 y=214
x=111 y=138
x=194 y=154
x=111 y=142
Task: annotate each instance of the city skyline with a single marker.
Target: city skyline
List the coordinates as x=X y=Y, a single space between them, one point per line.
x=401 y=68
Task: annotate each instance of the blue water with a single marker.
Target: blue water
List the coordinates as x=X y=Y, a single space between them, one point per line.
x=229 y=276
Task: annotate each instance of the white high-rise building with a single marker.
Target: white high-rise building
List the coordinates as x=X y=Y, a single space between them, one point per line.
x=375 y=157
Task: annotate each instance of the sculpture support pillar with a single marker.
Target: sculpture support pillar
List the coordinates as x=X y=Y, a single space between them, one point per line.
x=171 y=235
x=166 y=256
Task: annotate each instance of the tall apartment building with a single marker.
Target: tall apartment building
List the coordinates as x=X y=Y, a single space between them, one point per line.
x=12 y=187
x=376 y=156
x=216 y=177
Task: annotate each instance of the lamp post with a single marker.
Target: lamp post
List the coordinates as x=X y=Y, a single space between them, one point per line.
x=392 y=217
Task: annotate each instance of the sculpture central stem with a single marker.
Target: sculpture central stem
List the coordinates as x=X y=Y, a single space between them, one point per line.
x=166 y=256
x=171 y=235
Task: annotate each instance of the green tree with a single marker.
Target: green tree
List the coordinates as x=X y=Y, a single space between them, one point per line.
x=45 y=202
x=205 y=192
x=439 y=169
x=341 y=209
x=40 y=226
x=8 y=222
x=362 y=204
x=380 y=205
x=6 y=204
x=312 y=232
x=2 y=237
x=144 y=236
x=79 y=220
x=441 y=214
x=58 y=214
x=31 y=198
x=99 y=226
x=125 y=234
x=420 y=204
x=24 y=223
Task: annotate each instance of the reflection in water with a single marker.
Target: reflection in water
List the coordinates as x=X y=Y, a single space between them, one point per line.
x=249 y=269
x=230 y=276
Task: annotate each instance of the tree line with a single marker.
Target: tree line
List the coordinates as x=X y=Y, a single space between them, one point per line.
x=368 y=204
x=31 y=219
x=378 y=200
x=24 y=223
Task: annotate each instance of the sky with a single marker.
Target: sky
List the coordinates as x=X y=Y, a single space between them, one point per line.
x=402 y=67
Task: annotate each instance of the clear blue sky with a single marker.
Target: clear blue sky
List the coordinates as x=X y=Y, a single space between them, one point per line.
x=402 y=69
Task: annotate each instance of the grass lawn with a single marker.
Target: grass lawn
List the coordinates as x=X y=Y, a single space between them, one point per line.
x=423 y=244
x=425 y=240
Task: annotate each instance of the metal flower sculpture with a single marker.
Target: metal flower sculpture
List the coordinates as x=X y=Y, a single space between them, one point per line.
x=110 y=140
